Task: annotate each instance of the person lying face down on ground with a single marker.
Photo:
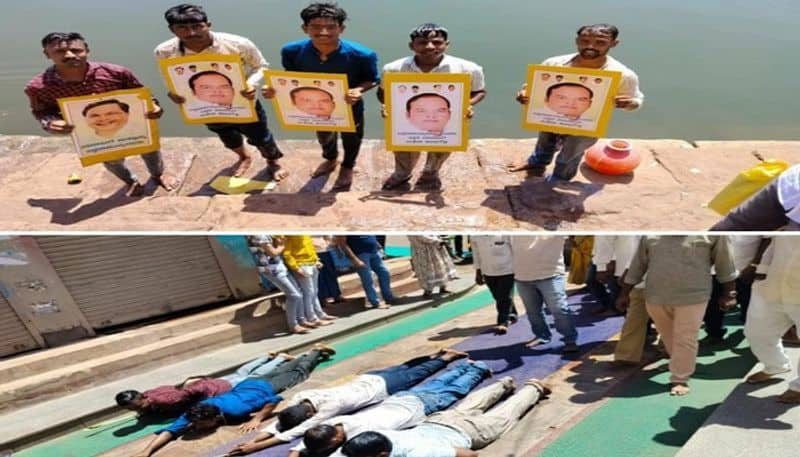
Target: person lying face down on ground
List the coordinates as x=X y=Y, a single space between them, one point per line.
x=174 y=400
x=257 y=395
x=311 y=407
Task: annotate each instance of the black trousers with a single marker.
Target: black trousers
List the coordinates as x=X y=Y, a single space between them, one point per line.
x=293 y=372
x=502 y=289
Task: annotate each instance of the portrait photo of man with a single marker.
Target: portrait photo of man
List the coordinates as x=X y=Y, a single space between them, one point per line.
x=107 y=118
x=212 y=88
x=569 y=99
x=314 y=101
x=428 y=112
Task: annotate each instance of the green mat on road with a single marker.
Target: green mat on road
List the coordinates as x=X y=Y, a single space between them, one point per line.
x=642 y=419
x=116 y=432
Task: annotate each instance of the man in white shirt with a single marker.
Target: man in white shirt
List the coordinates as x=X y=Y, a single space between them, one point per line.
x=193 y=36
x=594 y=42
x=429 y=43
x=456 y=432
x=491 y=256
x=774 y=308
x=538 y=263
x=400 y=411
x=774 y=207
x=311 y=407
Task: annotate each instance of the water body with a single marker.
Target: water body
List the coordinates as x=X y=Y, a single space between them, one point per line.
x=709 y=69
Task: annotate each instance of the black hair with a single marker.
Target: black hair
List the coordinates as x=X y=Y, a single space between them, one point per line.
x=319 y=440
x=202 y=412
x=556 y=86
x=123 y=106
x=194 y=77
x=293 y=416
x=127 y=397
x=298 y=89
x=366 y=444
x=600 y=29
x=58 y=37
x=326 y=10
x=425 y=94
x=185 y=13
x=427 y=29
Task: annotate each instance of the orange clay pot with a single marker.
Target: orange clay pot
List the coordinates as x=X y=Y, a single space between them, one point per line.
x=612 y=157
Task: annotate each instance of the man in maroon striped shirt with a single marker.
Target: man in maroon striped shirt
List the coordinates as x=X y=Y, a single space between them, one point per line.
x=73 y=75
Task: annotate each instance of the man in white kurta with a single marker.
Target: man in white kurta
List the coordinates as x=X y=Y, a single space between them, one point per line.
x=774 y=308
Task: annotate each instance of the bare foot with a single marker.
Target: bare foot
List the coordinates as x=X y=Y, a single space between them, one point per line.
x=679 y=389
x=449 y=354
x=134 y=190
x=242 y=166
x=314 y=324
x=543 y=387
x=277 y=171
x=535 y=342
x=537 y=170
x=168 y=182
x=299 y=329
x=328 y=317
x=286 y=356
x=383 y=306
x=324 y=322
x=790 y=396
x=344 y=181
x=325 y=349
x=324 y=168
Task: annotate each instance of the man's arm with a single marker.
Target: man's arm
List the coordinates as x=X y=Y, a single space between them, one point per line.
x=259 y=442
x=629 y=97
x=158 y=442
x=341 y=244
x=258 y=418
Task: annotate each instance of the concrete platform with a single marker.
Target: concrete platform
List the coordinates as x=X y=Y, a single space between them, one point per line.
x=750 y=422
x=675 y=178
x=46 y=420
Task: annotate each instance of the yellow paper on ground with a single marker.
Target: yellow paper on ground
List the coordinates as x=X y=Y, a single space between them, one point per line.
x=231 y=185
x=745 y=184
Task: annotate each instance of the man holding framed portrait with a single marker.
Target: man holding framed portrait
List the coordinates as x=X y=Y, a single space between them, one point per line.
x=426 y=114
x=74 y=75
x=197 y=44
x=572 y=92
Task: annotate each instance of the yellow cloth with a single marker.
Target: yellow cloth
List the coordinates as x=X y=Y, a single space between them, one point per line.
x=299 y=250
x=231 y=185
x=745 y=184
x=580 y=259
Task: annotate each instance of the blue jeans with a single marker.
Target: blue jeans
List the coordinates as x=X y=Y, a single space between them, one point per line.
x=410 y=373
x=254 y=368
x=257 y=133
x=569 y=159
x=374 y=262
x=153 y=161
x=291 y=292
x=447 y=388
x=311 y=311
x=551 y=292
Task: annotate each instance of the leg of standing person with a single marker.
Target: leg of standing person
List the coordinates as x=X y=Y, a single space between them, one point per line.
x=351 y=143
x=308 y=290
x=546 y=146
x=329 y=289
x=154 y=162
x=502 y=289
x=714 y=316
x=743 y=293
x=533 y=301
x=766 y=324
x=404 y=163
x=598 y=289
x=314 y=273
x=430 y=179
x=293 y=299
x=120 y=169
x=377 y=265
x=554 y=294
x=259 y=135
x=231 y=137
x=683 y=323
x=570 y=156
x=634 y=330
x=367 y=283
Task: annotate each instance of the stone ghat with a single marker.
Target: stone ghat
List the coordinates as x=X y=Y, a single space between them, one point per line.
x=666 y=193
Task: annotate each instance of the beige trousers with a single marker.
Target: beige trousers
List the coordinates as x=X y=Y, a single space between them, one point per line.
x=678 y=326
x=634 y=330
x=405 y=161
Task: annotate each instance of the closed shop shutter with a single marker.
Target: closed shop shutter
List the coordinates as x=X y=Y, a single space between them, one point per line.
x=14 y=336
x=119 y=279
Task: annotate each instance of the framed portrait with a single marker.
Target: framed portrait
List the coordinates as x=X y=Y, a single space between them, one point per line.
x=426 y=111
x=311 y=101
x=569 y=100
x=111 y=125
x=212 y=86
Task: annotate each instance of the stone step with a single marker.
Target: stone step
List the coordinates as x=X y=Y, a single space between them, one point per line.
x=42 y=361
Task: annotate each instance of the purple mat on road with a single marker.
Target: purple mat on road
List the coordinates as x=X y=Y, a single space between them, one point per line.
x=507 y=355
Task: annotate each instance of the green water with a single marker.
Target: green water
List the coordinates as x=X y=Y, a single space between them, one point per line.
x=709 y=69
